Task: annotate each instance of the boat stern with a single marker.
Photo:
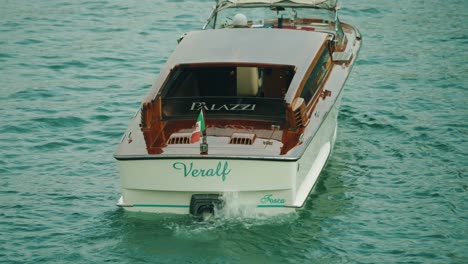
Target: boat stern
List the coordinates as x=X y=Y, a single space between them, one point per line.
x=180 y=185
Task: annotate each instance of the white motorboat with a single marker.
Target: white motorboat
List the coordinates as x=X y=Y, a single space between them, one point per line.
x=246 y=106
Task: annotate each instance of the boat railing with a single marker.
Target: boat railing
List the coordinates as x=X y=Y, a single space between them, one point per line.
x=280 y=14
x=223 y=14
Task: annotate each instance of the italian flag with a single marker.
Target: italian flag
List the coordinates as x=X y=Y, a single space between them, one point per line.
x=199 y=128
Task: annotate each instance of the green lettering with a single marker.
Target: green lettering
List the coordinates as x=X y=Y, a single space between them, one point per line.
x=222 y=170
x=210 y=172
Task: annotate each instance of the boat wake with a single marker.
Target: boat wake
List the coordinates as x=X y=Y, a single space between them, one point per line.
x=232 y=220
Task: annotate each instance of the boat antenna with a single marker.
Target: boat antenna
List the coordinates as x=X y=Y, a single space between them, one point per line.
x=268 y=142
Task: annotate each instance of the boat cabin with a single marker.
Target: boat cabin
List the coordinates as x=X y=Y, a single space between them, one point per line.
x=239 y=77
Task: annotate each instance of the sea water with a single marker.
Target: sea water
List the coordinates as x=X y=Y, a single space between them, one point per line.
x=73 y=73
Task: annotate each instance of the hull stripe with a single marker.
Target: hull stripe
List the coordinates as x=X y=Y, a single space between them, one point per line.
x=162 y=205
x=188 y=206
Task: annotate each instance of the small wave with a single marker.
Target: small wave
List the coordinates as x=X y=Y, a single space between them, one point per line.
x=51 y=145
x=5 y=55
x=114 y=86
x=368 y=62
x=28 y=42
x=57 y=122
x=50 y=57
x=187 y=16
x=372 y=11
x=20 y=129
x=160 y=29
x=9 y=192
x=95 y=76
x=33 y=94
x=68 y=64
x=66 y=197
x=109 y=59
x=107 y=30
x=101 y=117
x=366 y=121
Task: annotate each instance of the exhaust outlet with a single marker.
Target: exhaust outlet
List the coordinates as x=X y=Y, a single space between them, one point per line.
x=202 y=205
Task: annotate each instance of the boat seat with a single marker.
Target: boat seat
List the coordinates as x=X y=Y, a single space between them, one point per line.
x=275 y=83
x=247 y=81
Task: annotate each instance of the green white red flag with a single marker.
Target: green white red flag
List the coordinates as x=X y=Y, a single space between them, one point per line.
x=199 y=128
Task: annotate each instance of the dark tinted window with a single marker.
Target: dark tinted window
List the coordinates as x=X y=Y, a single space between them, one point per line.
x=252 y=92
x=316 y=77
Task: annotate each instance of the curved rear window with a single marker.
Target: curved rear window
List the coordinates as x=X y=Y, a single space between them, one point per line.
x=228 y=91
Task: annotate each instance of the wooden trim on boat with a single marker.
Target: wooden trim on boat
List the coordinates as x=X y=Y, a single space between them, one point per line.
x=210 y=157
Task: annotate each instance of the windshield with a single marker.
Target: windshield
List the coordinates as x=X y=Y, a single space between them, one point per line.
x=227 y=91
x=262 y=16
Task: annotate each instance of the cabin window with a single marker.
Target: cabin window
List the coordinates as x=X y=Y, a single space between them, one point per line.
x=316 y=77
x=250 y=91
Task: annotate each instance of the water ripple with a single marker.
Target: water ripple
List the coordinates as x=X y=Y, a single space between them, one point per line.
x=56 y=122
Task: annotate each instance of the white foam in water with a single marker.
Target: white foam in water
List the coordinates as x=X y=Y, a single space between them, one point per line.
x=234 y=215
x=233 y=208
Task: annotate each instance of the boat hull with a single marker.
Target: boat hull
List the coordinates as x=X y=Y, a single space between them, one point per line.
x=254 y=185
